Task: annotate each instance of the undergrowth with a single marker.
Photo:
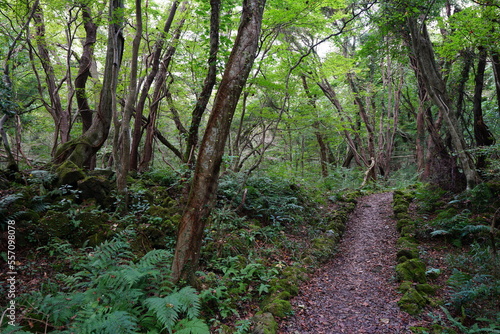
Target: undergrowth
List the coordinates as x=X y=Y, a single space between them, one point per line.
x=113 y=292
x=113 y=267
x=466 y=222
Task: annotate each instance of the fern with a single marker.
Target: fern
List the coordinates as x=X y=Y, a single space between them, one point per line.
x=5 y=214
x=164 y=310
x=168 y=309
x=112 y=294
x=101 y=321
x=195 y=326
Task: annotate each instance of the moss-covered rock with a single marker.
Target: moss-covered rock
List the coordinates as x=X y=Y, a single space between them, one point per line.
x=405 y=286
x=402 y=223
x=279 y=308
x=284 y=284
x=78 y=229
x=401 y=207
x=408 y=231
x=69 y=173
x=264 y=323
x=426 y=289
x=408 y=248
x=411 y=270
x=433 y=273
x=323 y=246
x=412 y=302
x=295 y=273
x=98 y=188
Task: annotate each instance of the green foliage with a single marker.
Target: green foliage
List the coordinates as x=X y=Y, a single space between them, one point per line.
x=112 y=292
x=5 y=213
x=270 y=200
x=240 y=280
x=342 y=178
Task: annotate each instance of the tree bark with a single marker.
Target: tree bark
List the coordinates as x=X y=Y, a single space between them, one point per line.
x=435 y=85
x=124 y=164
x=160 y=92
x=353 y=149
x=320 y=138
x=155 y=65
x=206 y=174
x=482 y=134
x=84 y=70
x=61 y=117
x=82 y=149
x=206 y=92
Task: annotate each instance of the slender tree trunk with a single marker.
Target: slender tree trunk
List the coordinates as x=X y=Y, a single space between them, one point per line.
x=495 y=62
x=81 y=150
x=206 y=92
x=84 y=73
x=122 y=172
x=205 y=178
x=160 y=92
x=61 y=117
x=155 y=65
x=320 y=138
x=353 y=148
x=11 y=161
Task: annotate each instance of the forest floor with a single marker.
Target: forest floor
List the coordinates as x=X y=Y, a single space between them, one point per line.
x=356 y=291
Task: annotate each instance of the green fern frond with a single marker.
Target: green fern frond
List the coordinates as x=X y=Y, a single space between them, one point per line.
x=189 y=301
x=165 y=311
x=194 y=326
x=156 y=257
x=101 y=321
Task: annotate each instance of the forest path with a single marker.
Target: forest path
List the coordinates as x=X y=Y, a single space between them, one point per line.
x=355 y=292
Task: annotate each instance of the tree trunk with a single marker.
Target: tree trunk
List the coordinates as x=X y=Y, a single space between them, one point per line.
x=206 y=174
x=124 y=164
x=353 y=149
x=482 y=134
x=495 y=62
x=424 y=53
x=160 y=92
x=320 y=138
x=155 y=65
x=206 y=92
x=84 y=73
x=61 y=117
x=81 y=150
x=11 y=161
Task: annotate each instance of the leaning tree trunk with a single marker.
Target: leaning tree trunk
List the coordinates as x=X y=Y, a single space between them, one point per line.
x=210 y=79
x=206 y=174
x=148 y=82
x=81 y=150
x=435 y=85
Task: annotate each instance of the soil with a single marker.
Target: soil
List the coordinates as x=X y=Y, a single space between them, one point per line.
x=356 y=291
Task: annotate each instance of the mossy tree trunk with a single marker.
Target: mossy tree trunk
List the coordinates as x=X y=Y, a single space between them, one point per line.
x=206 y=174
x=84 y=72
x=81 y=150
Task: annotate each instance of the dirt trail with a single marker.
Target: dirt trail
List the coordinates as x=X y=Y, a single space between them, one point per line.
x=356 y=291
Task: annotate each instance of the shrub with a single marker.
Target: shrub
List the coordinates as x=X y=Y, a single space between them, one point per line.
x=110 y=292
